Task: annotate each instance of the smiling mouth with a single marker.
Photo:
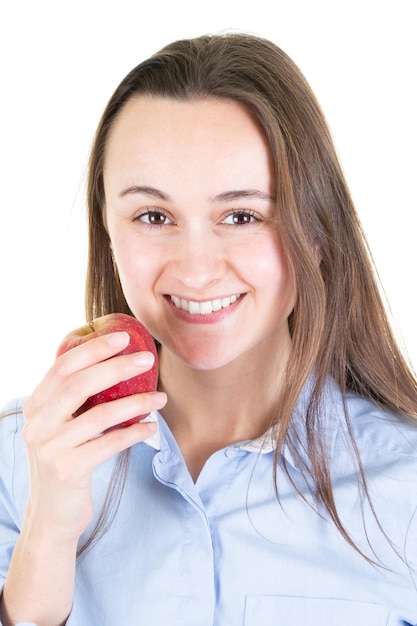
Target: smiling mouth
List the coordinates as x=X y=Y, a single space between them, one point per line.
x=204 y=308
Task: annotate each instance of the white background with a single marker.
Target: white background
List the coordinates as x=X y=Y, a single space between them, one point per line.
x=60 y=62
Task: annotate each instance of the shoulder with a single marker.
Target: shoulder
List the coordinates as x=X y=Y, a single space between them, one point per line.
x=380 y=446
x=354 y=424
x=379 y=430
x=387 y=444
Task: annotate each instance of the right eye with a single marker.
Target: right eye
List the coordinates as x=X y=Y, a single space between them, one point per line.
x=153 y=218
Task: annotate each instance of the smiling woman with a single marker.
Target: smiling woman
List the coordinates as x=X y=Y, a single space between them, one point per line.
x=198 y=229
x=220 y=218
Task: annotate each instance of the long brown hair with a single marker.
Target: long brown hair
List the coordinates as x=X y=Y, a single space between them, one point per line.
x=339 y=325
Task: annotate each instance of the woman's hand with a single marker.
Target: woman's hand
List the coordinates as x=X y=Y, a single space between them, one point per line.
x=62 y=450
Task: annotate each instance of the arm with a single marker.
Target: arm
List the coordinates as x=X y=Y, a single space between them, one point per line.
x=62 y=455
x=40 y=583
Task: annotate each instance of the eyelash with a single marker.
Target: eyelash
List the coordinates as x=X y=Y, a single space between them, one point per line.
x=148 y=214
x=246 y=213
x=250 y=215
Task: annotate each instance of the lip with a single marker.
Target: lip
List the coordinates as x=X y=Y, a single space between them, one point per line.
x=193 y=310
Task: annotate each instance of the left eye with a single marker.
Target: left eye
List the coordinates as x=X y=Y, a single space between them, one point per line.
x=239 y=218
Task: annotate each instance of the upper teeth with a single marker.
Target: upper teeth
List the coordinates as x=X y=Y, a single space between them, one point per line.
x=203 y=308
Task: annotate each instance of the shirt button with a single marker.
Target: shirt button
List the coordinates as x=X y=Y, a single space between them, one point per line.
x=232 y=452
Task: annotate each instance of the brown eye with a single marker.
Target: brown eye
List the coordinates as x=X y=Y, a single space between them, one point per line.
x=156 y=218
x=240 y=218
x=153 y=218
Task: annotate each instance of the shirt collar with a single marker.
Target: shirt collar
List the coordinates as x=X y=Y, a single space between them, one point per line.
x=154 y=441
x=331 y=411
x=263 y=444
x=266 y=443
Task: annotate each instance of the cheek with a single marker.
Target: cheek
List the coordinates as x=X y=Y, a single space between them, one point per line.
x=137 y=274
x=269 y=267
x=134 y=263
x=136 y=271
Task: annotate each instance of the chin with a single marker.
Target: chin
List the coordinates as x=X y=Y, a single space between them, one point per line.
x=202 y=362
x=205 y=359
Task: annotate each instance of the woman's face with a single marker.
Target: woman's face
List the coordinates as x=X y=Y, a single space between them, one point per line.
x=189 y=190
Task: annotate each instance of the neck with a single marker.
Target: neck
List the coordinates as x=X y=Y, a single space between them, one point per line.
x=208 y=410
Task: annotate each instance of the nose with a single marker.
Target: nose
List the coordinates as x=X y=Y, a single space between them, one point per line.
x=199 y=261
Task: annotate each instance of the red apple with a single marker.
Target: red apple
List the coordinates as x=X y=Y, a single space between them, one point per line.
x=140 y=339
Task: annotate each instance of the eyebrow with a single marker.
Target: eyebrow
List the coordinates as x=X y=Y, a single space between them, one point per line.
x=238 y=194
x=152 y=192
x=225 y=196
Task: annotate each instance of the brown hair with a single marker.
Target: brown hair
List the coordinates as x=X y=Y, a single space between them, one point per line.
x=339 y=326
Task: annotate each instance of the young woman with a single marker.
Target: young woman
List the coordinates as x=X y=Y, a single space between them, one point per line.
x=275 y=480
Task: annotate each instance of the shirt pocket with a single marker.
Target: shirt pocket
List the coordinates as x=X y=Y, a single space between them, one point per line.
x=294 y=611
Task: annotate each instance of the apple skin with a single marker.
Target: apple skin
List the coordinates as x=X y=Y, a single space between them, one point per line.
x=140 y=340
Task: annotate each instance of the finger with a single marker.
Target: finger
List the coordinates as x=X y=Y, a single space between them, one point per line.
x=76 y=359
x=98 y=450
x=103 y=416
x=81 y=385
x=91 y=351
x=74 y=390
x=81 y=357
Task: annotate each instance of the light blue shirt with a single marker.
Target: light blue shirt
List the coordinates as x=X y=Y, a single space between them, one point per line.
x=224 y=552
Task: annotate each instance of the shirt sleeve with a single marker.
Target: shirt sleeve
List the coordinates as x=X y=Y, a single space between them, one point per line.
x=13 y=483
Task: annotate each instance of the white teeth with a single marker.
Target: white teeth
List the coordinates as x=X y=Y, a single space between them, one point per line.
x=203 y=308
x=193 y=307
x=206 y=307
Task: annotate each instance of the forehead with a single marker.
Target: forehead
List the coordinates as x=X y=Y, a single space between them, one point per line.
x=208 y=136
x=155 y=122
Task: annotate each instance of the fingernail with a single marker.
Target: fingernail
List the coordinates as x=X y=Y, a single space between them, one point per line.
x=152 y=426
x=143 y=359
x=159 y=398
x=118 y=339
